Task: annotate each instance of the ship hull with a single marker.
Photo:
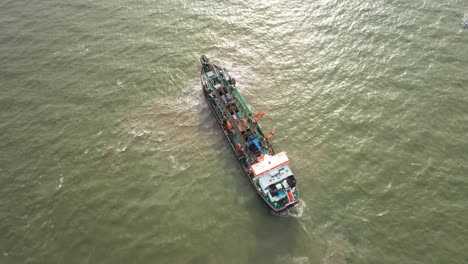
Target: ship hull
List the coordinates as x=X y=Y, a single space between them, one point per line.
x=247 y=140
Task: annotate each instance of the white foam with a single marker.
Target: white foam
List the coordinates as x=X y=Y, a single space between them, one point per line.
x=289 y=259
x=138 y=132
x=298 y=210
x=60 y=181
x=121 y=149
x=295 y=212
x=388 y=187
x=382 y=213
x=172 y=161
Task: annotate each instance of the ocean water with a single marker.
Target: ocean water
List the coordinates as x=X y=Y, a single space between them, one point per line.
x=109 y=154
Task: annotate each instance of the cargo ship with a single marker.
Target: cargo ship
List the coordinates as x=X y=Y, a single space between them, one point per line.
x=268 y=171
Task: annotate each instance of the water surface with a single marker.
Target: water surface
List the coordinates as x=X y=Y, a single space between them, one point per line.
x=109 y=154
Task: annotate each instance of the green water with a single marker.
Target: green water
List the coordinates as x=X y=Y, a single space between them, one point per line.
x=109 y=154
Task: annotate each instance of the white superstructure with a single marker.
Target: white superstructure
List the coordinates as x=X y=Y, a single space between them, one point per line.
x=269 y=163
